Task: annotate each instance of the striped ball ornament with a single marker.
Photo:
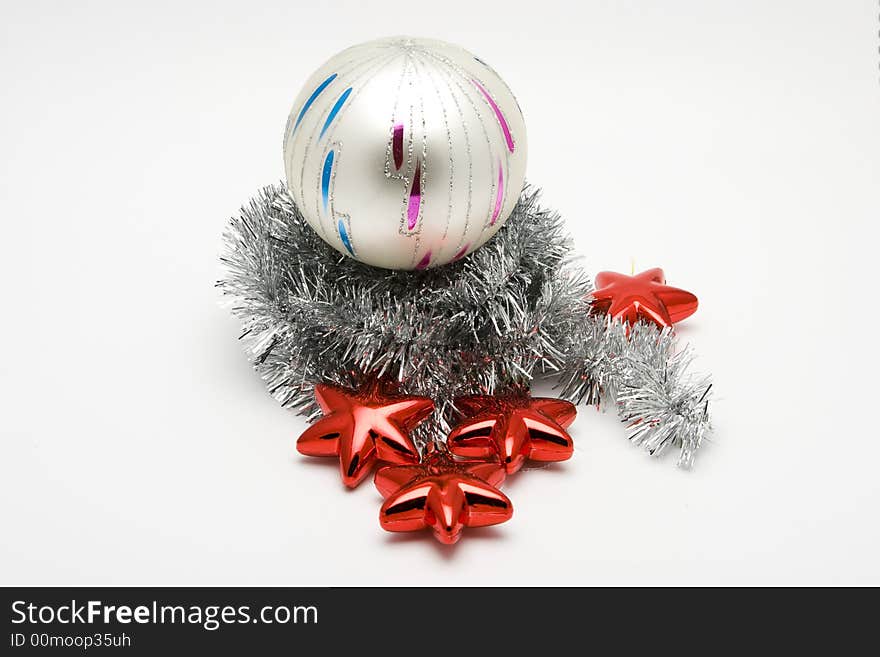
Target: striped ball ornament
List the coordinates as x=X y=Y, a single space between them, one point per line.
x=405 y=153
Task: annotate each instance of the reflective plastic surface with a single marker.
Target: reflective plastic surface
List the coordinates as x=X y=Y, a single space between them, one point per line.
x=643 y=296
x=442 y=494
x=364 y=427
x=513 y=429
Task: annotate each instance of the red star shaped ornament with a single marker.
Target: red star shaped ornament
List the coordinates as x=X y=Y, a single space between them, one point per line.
x=513 y=429
x=643 y=296
x=364 y=427
x=443 y=495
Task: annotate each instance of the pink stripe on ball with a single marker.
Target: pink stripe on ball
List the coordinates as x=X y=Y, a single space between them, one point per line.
x=504 y=127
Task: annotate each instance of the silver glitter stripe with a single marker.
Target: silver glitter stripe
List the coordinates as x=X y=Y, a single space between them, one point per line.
x=468 y=80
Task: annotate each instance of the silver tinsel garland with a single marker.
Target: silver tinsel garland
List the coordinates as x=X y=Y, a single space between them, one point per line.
x=644 y=371
x=516 y=308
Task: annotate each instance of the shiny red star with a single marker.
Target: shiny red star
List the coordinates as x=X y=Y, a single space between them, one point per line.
x=443 y=495
x=513 y=429
x=363 y=427
x=643 y=296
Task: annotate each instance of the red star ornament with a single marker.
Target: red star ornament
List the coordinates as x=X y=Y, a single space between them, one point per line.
x=443 y=495
x=513 y=429
x=363 y=427
x=643 y=296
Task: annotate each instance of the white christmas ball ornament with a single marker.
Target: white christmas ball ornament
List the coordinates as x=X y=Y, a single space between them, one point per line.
x=405 y=153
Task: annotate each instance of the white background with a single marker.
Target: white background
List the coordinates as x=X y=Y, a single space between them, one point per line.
x=736 y=144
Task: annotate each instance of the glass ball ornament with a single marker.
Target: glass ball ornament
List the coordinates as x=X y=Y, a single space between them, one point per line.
x=405 y=153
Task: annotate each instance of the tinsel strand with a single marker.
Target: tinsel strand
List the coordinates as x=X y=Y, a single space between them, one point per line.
x=486 y=325
x=516 y=308
x=645 y=372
